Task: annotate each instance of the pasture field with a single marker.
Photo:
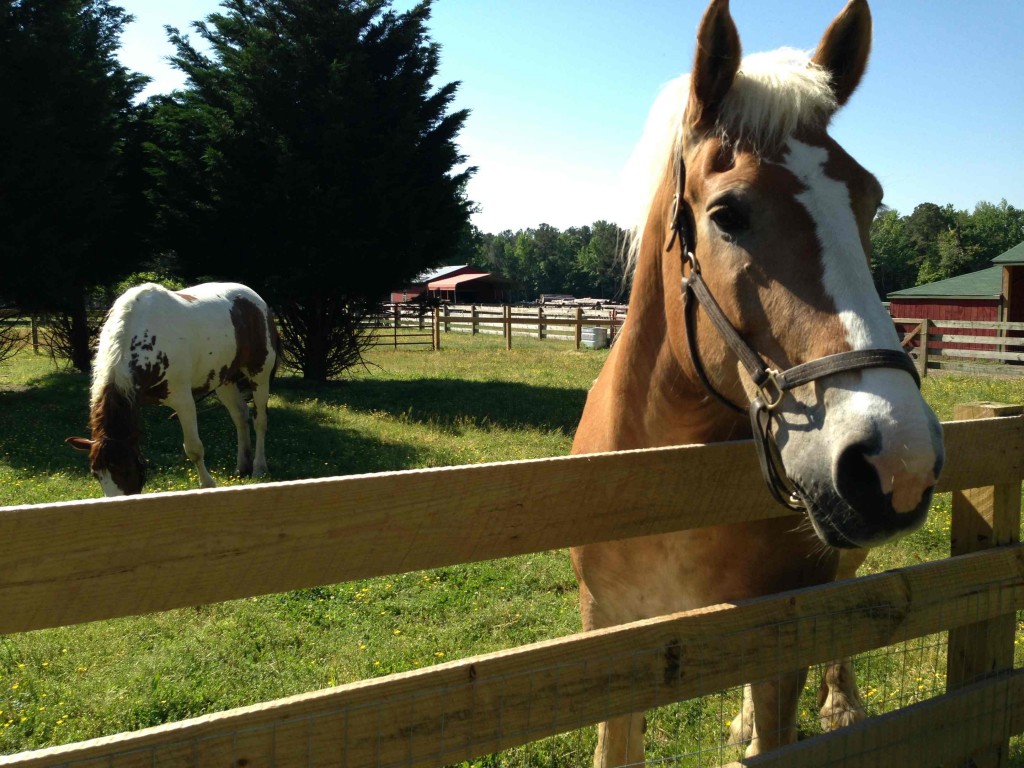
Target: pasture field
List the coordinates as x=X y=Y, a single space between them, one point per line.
x=470 y=402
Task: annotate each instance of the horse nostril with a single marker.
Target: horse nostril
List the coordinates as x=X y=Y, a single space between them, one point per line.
x=857 y=479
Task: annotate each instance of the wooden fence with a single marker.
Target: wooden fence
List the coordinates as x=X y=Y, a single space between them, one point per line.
x=99 y=559
x=964 y=346
x=408 y=325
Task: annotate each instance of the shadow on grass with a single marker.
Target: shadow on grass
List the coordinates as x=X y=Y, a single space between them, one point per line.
x=446 y=402
x=35 y=420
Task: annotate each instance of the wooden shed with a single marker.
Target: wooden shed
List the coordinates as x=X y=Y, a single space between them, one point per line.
x=991 y=295
x=974 y=296
x=455 y=284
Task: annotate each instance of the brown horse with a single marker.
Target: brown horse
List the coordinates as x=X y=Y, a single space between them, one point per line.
x=751 y=290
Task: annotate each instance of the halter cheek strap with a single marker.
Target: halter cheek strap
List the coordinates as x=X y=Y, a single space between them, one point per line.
x=771 y=383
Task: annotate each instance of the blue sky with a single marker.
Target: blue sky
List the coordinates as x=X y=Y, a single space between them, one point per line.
x=559 y=90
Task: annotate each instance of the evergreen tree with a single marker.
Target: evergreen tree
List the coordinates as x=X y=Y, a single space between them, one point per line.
x=310 y=157
x=72 y=209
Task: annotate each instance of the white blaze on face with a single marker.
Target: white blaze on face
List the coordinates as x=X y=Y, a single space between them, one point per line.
x=110 y=488
x=886 y=397
x=847 y=278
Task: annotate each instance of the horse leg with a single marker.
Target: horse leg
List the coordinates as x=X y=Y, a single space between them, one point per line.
x=620 y=740
x=260 y=397
x=186 y=409
x=741 y=729
x=775 y=703
x=839 y=699
x=234 y=403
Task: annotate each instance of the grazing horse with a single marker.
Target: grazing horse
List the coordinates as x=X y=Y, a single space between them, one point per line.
x=162 y=346
x=753 y=312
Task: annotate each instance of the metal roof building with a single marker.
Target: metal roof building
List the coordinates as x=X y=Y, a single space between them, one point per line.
x=457 y=284
x=992 y=294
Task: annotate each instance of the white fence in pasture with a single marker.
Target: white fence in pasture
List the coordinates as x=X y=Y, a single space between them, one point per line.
x=406 y=324
x=100 y=559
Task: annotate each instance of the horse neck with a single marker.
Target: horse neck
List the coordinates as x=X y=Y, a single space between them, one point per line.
x=659 y=373
x=114 y=415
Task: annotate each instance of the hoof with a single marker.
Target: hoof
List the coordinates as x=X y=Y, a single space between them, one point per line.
x=839 y=712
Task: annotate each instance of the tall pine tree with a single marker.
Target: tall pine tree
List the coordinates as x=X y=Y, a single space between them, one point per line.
x=311 y=156
x=72 y=210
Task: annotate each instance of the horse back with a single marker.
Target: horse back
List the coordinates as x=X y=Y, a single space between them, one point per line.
x=200 y=338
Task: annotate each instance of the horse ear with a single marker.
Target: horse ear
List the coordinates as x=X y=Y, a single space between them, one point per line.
x=79 y=443
x=715 y=64
x=844 y=48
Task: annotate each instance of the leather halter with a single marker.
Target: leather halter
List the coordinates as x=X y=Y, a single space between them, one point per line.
x=772 y=384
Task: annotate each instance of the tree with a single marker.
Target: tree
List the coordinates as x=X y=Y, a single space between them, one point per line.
x=994 y=229
x=893 y=263
x=310 y=157
x=599 y=265
x=72 y=206
x=922 y=229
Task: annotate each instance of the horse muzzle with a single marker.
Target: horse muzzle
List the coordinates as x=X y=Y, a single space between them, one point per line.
x=865 y=489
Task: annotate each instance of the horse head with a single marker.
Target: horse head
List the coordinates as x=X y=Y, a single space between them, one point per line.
x=765 y=209
x=115 y=458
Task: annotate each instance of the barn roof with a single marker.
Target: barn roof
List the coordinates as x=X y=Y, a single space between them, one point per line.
x=984 y=284
x=438 y=273
x=1013 y=256
x=451 y=283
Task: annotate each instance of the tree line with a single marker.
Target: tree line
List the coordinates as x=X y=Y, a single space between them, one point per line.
x=938 y=242
x=579 y=261
x=931 y=243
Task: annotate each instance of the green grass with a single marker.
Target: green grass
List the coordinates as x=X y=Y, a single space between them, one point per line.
x=471 y=402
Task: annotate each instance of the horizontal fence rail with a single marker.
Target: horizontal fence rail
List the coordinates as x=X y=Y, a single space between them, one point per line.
x=964 y=346
x=80 y=561
x=936 y=732
x=460 y=710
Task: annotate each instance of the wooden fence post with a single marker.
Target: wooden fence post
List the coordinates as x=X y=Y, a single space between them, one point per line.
x=540 y=322
x=612 y=329
x=398 y=319
x=579 y=326
x=983 y=518
x=922 y=349
x=508 y=327
x=474 y=317
x=447 y=325
x=435 y=328
x=35 y=334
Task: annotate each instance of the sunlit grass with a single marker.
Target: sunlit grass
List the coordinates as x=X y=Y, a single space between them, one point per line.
x=471 y=402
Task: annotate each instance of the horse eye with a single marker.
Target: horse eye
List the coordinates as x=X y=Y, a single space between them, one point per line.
x=729 y=219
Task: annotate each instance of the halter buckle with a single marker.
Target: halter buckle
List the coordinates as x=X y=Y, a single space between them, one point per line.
x=772 y=389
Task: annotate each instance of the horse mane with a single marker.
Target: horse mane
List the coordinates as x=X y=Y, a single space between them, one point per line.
x=774 y=95
x=110 y=366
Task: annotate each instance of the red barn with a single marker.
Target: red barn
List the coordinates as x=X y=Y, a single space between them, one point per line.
x=993 y=294
x=974 y=296
x=457 y=284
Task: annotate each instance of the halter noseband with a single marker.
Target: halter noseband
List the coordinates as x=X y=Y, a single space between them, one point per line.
x=771 y=383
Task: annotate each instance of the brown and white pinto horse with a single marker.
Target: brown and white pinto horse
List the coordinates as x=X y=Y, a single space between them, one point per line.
x=160 y=346
x=777 y=217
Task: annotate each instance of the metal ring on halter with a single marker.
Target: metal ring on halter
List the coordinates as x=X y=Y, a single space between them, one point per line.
x=772 y=399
